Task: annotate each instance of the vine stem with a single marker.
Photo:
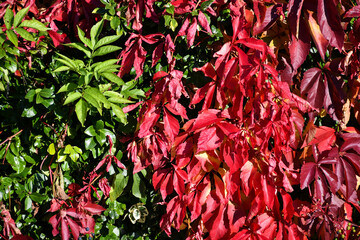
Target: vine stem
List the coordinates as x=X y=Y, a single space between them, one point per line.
x=9 y=141
x=11 y=137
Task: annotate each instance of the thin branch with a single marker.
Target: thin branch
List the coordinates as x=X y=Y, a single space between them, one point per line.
x=11 y=137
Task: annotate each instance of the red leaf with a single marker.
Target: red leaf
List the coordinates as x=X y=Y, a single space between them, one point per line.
x=307 y=174
x=350 y=178
x=191 y=32
x=266 y=16
x=299 y=48
x=54 y=221
x=169 y=48
x=206 y=118
x=179 y=184
x=22 y=237
x=213 y=217
x=324 y=137
x=104 y=186
x=330 y=24
x=149 y=121
x=93 y=208
x=55 y=205
x=158 y=176
x=318 y=37
x=210 y=139
x=288 y=208
x=184 y=27
x=313 y=85
x=73 y=190
x=204 y=22
x=58 y=38
x=247 y=171
x=166 y=187
x=137 y=24
x=331 y=179
x=321 y=187
x=353 y=12
x=201 y=93
x=294 y=9
x=268 y=191
x=65 y=234
x=75 y=228
x=157 y=54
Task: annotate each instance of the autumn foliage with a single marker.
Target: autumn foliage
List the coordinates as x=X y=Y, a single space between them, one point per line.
x=249 y=126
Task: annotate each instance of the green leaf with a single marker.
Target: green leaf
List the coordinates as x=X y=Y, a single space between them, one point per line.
x=17 y=162
x=88 y=77
x=119 y=100
x=90 y=131
x=90 y=99
x=14 y=149
x=113 y=78
x=118 y=186
x=101 y=137
x=134 y=93
x=29 y=159
x=170 y=9
x=67 y=61
x=119 y=155
x=13 y=50
x=138 y=187
x=73 y=96
x=62 y=69
x=80 y=47
x=105 y=50
x=99 y=125
x=37 y=197
x=167 y=20
x=12 y=37
x=119 y=113
x=173 y=24
x=35 y=24
x=29 y=112
x=112 y=94
x=68 y=87
x=205 y=5
x=46 y=92
x=51 y=149
x=106 y=40
x=25 y=34
x=47 y=102
x=39 y=99
x=68 y=149
x=84 y=39
x=94 y=92
x=20 y=16
x=115 y=22
x=89 y=143
x=28 y=203
x=109 y=69
x=99 y=65
x=95 y=31
x=61 y=157
x=81 y=108
x=6 y=181
x=30 y=95
x=74 y=155
x=8 y=18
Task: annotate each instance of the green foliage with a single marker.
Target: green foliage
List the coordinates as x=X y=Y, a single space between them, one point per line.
x=56 y=114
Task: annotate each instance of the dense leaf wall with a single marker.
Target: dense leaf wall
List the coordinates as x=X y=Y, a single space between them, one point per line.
x=182 y=119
